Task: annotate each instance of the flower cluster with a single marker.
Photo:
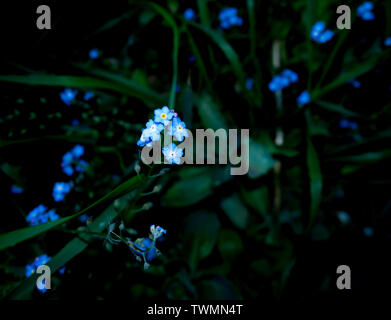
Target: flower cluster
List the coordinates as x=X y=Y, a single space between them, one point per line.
x=229 y=17
x=320 y=34
x=189 y=14
x=60 y=190
x=364 y=11
x=283 y=80
x=346 y=124
x=71 y=161
x=303 y=98
x=38 y=261
x=387 y=42
x=40 y=215
x=165 y=118
x=145 y=248
x=68 y=95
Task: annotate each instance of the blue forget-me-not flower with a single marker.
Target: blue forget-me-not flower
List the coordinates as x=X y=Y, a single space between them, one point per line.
x=68 y=95
x=320 y=34
x=71 y=160
x=40 y=215
x=60 y=190
x=387 y=42
x=178 y=129
x=283 y=80
x=172 y=153
x=189 y=14
x=16 y=189
x=303 y=98
x=229 y=17
x=364 y=11
x=94 y=53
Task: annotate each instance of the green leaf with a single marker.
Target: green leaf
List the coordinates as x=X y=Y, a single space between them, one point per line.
x=229 y=244
x=171 y=22
x=258 y=199
x=337 y=108
x=119 y=84
x=261 y=160
x=228 y=51
x=235 y=210
x=315 y=177
x=14 y=237
x=200 y=235
x=210 y=114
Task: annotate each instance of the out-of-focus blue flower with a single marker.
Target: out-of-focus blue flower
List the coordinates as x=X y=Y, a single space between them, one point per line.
x=283 y=80
x=172 y=153
x=78 y=150
x=178 y=129
x=343 y=124
x=84 y=218
x=71 y=161
x=317 y=29
x=68 y=95
x=387 y=42
x=368 y=232
x=94 y=53
x=16 y=189
x=88 y=95
x=40 y=215
x=81 y=166
x=38 y=261
x=163 y=115
x=320 y=34
x=249 y=84
x=75 y=122
x=355 y=83
x=192 y=59
x=346 y=124
x=290 y=75
x=364 y=11
x=60 y=190
x=326 y=36
x=189 y=14
x=228 y=17
x=62 y=270
x=303 y=98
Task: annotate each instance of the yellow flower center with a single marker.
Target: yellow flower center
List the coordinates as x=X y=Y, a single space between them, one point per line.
x=179 y=128
x=163 y=116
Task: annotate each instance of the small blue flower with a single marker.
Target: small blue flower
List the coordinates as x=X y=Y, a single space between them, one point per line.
x=144 y=247
x=94 y=53
x=38 y=261
x=249 y=84
x=145 y=139
x=387 y=42
x=88 y=95
x=84 y=218
x=75 y=122
x=68 y=95
x=157 y=231
x=68 y=170
x=364 y=11
x=192 y=59
x=173 y=154
x=16 y=189
x=62 y=270
x=163 y=115
x=319 y=34
x=81 y=166
x=189 y=14
x=355 y=83
x=78 y=150
x=291 y=75
x=178 y=129
x=343 y=124
x=60 y=190
x=317 y=29
x=228 y=18
x=326 y=36
x=303 y=98
x=153 y=130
